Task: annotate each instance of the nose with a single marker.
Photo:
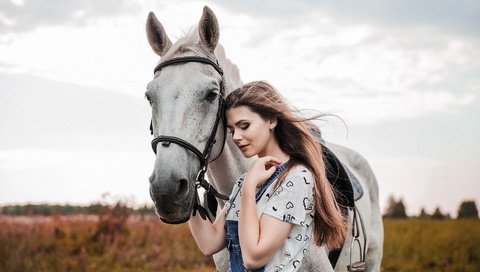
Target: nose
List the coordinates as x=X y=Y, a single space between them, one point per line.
x=237 y=137
x=172 y=183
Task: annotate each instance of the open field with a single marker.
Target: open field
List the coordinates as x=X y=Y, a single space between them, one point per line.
x=142 y=243
x=88 y=243
x=431 y=245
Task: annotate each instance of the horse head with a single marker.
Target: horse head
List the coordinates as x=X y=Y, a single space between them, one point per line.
x=185 y=101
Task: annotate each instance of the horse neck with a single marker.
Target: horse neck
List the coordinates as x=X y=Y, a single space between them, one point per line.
x=224 y=171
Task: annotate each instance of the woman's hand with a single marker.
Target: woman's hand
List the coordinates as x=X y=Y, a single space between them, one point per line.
x=261 y=170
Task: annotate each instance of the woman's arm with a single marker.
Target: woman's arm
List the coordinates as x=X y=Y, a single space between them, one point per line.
x=259 y=239
x=210 y=237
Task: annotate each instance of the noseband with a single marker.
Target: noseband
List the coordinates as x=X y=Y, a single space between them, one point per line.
x=205 y=155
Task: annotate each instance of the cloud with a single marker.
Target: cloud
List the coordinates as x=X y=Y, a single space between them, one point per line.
x=336 y=65
x=19 y=16
x=61 y=142
x=364 y=110
x=111 y=54
x=459 y=17
x=446 y=135
x=365 y=73
x=455 y=17
x=39 y=113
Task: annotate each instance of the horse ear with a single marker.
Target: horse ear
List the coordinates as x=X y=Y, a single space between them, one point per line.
x=156 y=35
x=208 y=29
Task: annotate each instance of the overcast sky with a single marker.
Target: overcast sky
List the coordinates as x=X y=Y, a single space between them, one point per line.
x=403 y=75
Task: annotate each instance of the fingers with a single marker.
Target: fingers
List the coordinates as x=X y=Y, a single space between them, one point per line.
x=271 y=160
x=271 y=163
x=271 y=170
x=261 y=169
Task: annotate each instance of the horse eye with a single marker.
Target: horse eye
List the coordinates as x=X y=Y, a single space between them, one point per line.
x=212 y=95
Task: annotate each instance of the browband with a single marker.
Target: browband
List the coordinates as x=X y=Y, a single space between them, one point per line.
x=188 y=59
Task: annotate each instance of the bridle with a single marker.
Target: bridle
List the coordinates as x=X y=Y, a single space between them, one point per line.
x=204 y=156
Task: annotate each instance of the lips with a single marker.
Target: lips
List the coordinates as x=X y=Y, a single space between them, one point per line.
x=243 y=147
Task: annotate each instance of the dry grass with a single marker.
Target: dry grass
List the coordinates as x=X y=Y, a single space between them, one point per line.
x=85 y=243
x=119 y=242
x=431 y=245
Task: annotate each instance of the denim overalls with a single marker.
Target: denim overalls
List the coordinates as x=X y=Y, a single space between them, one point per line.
x=231 y=227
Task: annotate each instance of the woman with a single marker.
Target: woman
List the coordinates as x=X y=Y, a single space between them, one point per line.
x=285 y=195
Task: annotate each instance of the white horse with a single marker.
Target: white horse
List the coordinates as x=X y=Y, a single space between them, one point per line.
x=184 y=98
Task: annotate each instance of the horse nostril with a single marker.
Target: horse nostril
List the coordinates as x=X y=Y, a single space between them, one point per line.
x=182 y=186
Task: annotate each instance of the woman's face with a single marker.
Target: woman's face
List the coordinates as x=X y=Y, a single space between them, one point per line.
x=250 y=132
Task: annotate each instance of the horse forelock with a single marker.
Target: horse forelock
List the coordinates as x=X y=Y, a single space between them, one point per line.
x=191 y=43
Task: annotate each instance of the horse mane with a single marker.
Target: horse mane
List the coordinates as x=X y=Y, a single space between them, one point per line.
x=190 y=43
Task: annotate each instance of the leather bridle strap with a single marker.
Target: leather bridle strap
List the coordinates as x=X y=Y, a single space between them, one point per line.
x=166 y=140
x=203 y=157
x=188 y=59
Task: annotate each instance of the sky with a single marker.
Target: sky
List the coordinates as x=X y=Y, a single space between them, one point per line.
x=404 y=76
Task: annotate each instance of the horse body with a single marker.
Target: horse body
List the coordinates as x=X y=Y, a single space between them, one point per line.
x=367 y=205
x=182 y=106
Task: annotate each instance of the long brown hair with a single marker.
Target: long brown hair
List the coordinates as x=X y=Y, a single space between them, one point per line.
x=294 y=136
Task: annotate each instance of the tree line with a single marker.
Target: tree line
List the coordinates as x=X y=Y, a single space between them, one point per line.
x=396 y=209
x=51 y=209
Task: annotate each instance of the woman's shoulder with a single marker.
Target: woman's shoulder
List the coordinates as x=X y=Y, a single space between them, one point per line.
x=299 y=175
x=299 y=170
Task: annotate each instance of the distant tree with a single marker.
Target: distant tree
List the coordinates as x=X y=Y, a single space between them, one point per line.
x=145 y=209
x=437 y=214
x=44 y=209
x=399 y=211
x=68 y=209
x=95 y=208
x=395 y=209
x=468 y=209
x=423 y=213
x=15 y=210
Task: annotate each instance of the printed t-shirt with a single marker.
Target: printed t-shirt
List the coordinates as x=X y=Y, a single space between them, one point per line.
x=291 y=202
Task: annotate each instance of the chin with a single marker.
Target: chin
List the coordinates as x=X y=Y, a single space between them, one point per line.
x=249 y=154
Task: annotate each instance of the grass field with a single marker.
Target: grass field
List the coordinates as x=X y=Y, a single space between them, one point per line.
x=431 y=245
x=136 y=243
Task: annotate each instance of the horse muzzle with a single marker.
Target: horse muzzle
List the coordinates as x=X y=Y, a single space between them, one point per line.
x=173 y=197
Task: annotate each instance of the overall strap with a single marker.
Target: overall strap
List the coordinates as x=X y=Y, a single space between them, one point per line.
x=264 y=186
x=270 y=180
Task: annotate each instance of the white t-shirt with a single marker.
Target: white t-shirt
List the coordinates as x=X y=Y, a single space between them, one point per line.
x=291 y=202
